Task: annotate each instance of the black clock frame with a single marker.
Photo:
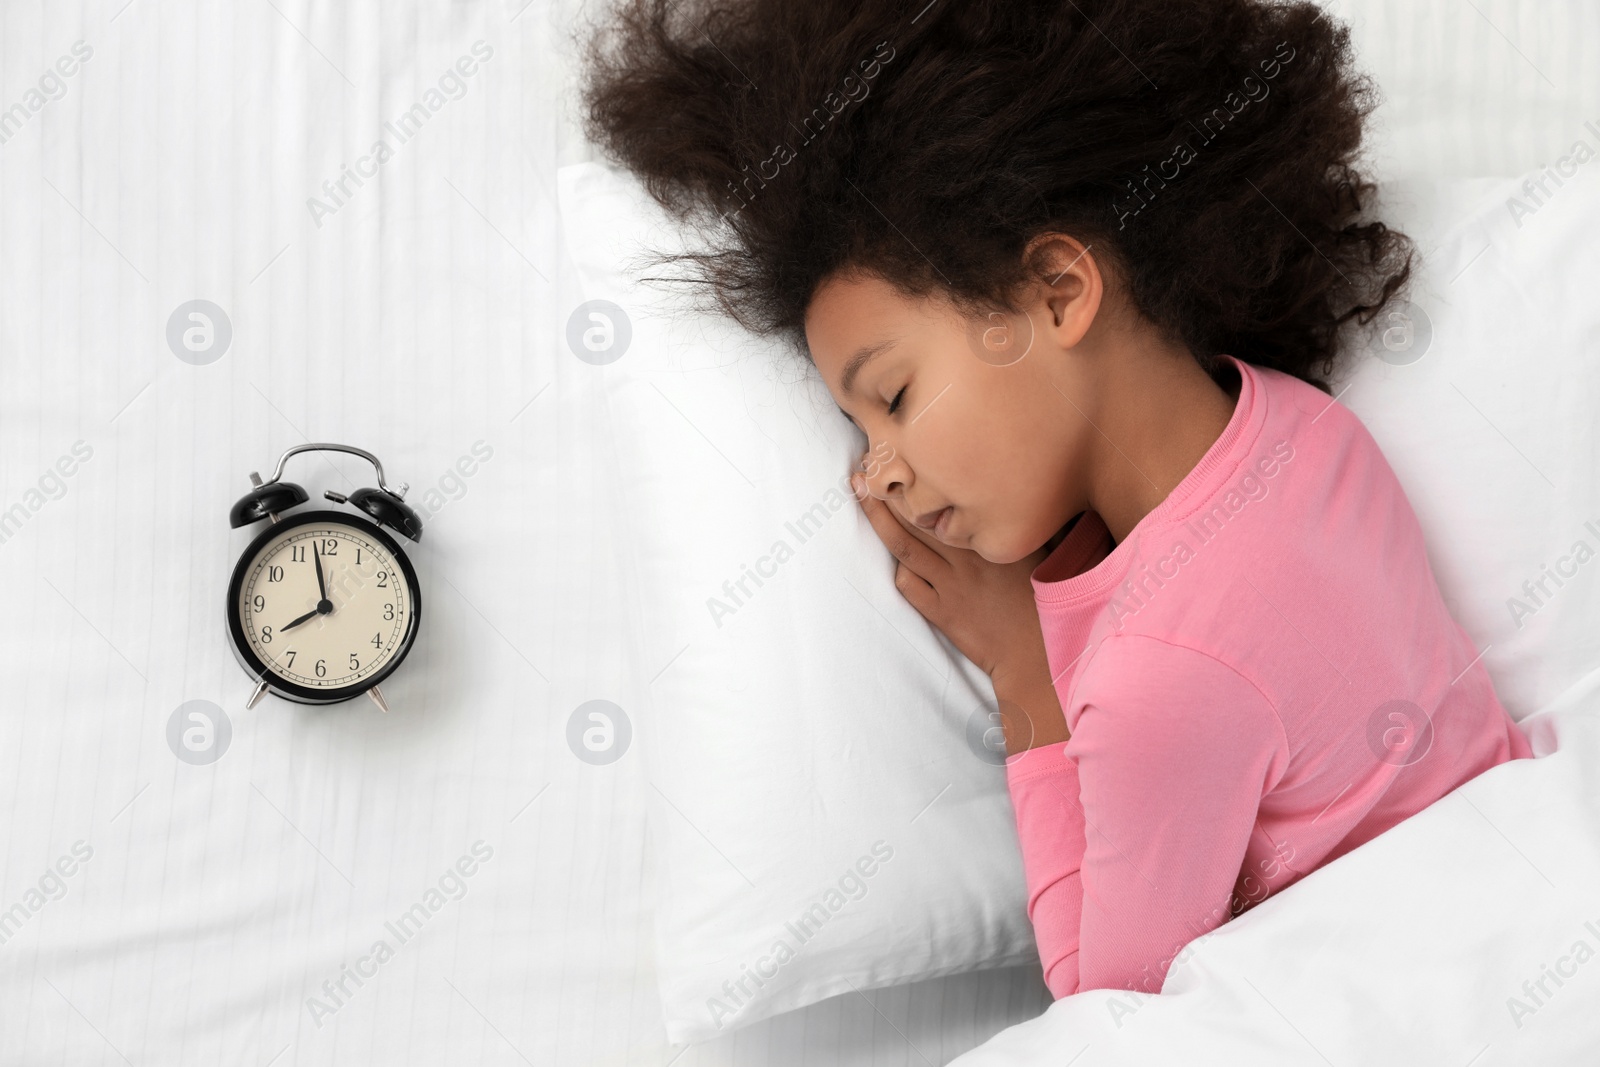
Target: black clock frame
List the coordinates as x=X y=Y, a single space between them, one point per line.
x=245 y=654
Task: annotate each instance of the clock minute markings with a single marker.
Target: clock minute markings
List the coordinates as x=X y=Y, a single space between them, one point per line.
x=326 y=605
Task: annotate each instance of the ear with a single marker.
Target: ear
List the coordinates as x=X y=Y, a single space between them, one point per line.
x=1070 y=286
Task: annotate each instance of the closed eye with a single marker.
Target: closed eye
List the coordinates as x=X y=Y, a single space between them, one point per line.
x=895 y=403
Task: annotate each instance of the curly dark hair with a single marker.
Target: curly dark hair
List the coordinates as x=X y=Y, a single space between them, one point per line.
x=1205 y=149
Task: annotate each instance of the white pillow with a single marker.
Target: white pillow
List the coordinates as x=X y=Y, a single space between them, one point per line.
x=1492 y=429
x=813 y=746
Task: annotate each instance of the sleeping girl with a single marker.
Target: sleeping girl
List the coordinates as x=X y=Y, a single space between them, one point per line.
x=1081 y=275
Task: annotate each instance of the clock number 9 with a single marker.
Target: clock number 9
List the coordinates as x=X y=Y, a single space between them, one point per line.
x=260 y=602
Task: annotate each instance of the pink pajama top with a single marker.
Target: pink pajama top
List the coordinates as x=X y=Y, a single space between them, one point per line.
x=1261 y=677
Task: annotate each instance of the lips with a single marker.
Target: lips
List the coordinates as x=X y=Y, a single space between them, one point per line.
x=931 y=519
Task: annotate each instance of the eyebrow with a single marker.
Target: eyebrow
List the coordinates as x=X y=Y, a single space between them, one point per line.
x=848 y=380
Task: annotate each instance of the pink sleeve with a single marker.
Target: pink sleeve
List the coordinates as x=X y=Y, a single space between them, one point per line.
x=1133 y=831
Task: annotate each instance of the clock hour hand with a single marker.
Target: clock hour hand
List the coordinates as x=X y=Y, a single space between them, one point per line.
x=298 y=621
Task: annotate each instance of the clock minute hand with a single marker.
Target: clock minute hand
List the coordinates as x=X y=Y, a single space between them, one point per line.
x=322 y=587
x=298 y=621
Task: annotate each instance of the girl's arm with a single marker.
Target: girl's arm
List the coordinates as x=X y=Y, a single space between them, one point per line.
x=1133 y=831
x=1030 y=709
x=1165 y=768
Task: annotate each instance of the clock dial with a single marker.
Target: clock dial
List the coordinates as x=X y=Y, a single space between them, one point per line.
x=331 y=633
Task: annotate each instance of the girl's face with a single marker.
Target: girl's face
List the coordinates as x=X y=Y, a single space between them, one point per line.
x=972 y=415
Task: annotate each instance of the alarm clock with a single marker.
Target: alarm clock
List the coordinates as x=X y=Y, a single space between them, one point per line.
x=323 y=605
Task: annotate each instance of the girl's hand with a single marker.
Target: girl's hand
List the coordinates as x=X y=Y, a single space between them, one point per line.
x=986 y=609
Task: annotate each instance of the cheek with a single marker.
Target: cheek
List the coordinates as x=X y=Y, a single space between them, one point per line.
x=956 y=450
x=990 y=448
x=1010 y=468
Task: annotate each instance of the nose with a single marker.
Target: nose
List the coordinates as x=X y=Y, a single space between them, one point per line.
x=884 y=472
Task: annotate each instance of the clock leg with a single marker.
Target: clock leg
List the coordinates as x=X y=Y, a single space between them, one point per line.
x=261 y=691
x=377 y=698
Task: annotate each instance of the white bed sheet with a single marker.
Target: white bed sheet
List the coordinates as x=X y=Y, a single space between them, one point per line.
x=423 y=316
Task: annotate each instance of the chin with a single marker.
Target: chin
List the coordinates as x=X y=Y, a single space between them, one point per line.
x=1001 y=555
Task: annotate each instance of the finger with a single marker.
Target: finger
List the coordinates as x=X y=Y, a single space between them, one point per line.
x=918 y=593
x=907 y=544
x=926 y=537
x=882 y=514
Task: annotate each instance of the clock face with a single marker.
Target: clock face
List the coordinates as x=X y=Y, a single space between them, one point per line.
x=324 y=604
